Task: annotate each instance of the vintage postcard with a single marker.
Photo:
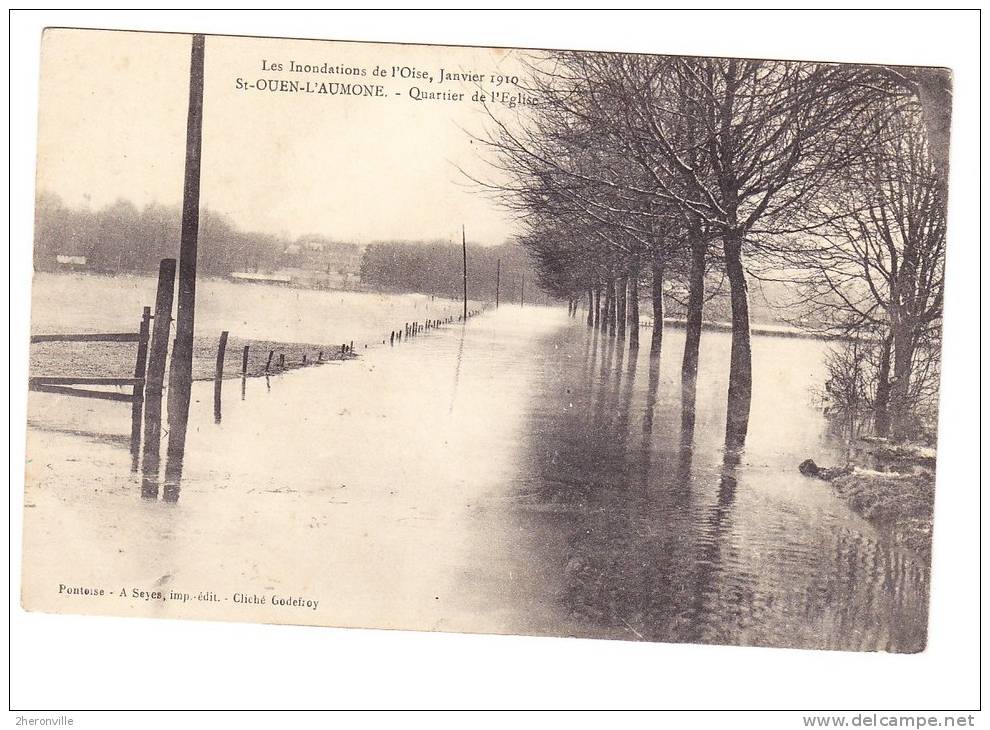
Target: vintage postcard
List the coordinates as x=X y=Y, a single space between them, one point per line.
x=508 y=341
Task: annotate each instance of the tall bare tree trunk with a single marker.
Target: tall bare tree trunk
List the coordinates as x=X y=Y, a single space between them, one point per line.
x=598 y=308
x=656 y=342
x=634 y=307
x=881 y=403
x=695 y=312
x=620 y=309
x=934 y=87
x=591 y=308
x=741 y=359
x=900 y=410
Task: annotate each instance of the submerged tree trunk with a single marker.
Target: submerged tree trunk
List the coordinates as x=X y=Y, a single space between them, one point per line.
x=656 y=342
x=620 y=309
x=591 y=308
x=610 y=307
x=881 y=403
x=634 y=307
x=695 y=311
x=741 y=360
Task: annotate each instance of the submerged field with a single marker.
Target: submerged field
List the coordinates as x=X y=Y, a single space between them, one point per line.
x=290 y=322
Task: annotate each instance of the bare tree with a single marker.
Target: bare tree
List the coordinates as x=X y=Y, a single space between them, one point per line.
x=879 y=267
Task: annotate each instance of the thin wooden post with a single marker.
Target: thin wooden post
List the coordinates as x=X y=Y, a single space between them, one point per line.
x=159 y=336
x=244 y=359
x=218 y=377
x=268 y=365
x=221 y=352
x=217 y=395
x=153 y=388
x=140 y=369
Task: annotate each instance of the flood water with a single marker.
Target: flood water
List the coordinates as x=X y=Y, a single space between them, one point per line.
x=93 y=303
x=520 y=474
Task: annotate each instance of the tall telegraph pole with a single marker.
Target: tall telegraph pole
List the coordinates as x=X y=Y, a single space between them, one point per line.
x=180 y=371
x=464 y=254
x=498 y=280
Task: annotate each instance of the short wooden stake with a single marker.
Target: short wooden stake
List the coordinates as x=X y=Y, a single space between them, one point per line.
x=221 y=351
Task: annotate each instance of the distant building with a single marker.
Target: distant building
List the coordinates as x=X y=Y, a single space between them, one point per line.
x=72 y=262
x=261 y=278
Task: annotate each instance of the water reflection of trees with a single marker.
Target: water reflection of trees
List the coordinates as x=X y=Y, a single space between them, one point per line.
x=656 y=546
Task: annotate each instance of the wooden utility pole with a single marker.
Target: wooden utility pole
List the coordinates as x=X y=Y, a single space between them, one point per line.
x=180 y=371
x=498 y=280
x=464 y=253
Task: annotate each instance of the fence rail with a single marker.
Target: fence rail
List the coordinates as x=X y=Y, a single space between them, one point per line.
x=82 y=380
x=89 y=337
x=84 y=393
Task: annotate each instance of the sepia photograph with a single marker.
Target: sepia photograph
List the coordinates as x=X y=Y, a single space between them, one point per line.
x=486 y=340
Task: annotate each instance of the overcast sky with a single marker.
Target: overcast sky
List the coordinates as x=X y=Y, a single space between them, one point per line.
x=112 y=125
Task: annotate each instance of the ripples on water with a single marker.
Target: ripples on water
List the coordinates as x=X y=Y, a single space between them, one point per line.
x=668 y=539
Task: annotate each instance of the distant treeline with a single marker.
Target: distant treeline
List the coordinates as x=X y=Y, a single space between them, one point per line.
x=436 y=268
x=122 y=238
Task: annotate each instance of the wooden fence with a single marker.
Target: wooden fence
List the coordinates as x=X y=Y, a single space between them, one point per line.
x=67 y=384
x=149 y=368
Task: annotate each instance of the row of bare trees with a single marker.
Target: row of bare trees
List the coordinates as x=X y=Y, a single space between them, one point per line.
x=655 y=174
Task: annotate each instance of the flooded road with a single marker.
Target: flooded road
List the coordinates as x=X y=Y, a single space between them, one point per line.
x=520 y=474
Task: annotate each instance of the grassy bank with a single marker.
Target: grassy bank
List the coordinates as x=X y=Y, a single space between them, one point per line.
x=97 y=359
x=899 y=505
x=892 y=486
